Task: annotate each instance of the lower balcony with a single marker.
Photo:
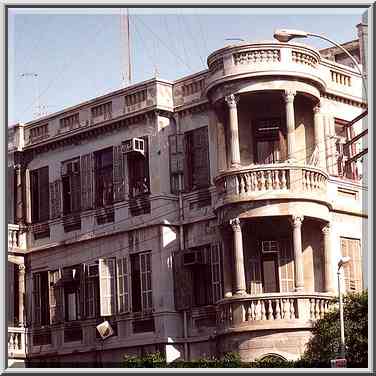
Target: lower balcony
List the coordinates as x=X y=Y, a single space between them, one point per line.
x=16 y=343
x=273 y=181
x=271 y=311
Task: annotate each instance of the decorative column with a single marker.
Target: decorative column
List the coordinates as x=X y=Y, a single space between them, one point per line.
x=297 y=221
x=232 y=101
x=240 y=288
x=328 y=269
x=319 y=136
x=21 y=293
x=289 y=96
x=19 y=196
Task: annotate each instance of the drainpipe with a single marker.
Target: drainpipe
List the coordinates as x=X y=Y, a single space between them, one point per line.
x=181 y=241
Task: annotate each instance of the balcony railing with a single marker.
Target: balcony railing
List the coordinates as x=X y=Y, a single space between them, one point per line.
x=272 y=310
x=16 y=342
x=13 y=236
x=270 y=181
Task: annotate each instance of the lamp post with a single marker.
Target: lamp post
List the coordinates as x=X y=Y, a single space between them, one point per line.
x=285 y=35
x=343 y=261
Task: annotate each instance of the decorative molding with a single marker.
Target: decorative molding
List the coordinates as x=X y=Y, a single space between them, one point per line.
x=235 y=224
x=257 y=56
x=304 y=58
x=297 y=220
x=232 y=100
x=326 y=229
x=289 y=96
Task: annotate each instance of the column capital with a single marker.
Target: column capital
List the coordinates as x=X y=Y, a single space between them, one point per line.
x=21 y=268
x=317 y=109
x=297 y=220
x=235 y=224
x=326 y=229
x=232 y=100
x=289 y=96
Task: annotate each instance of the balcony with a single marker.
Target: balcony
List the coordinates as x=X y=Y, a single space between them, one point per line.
x=16 y=342
x=271 y=182
x=13 y=236
x=271 y=311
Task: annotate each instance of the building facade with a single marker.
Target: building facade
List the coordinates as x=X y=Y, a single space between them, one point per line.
x=205 y=214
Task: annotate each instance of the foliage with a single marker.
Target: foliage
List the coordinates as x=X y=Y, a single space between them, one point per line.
x=325 y=343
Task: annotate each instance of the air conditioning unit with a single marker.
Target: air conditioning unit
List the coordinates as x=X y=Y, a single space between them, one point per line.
x=93 y=271
x=194 y=258
x=71 y=274
x=134 y=145
x=105 y=330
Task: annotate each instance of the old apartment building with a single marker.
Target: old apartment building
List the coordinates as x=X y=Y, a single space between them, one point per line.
x=205 y=214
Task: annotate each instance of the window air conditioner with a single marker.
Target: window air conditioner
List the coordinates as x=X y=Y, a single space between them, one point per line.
x=105 y=330
x=93 y=271
x=71 y=275
x=134 y=145
x=193 y=258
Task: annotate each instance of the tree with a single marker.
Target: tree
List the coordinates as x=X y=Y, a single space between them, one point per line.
x=324 y=345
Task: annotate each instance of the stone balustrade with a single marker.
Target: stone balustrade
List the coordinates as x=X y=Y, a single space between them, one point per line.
x=13 y=236
x=16 y=342
x=271 y=310
x=270 y=181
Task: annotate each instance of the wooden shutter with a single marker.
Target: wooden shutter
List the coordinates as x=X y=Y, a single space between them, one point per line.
x=44 y=194
x=107 y=286
x=200 y=158
x=90 y=295
x=76 y=191
x=36 y=299
x=123 y=285
x=255 y=275
x=118 y=174
x=82 y=292
x=282 y=146
x=216 y=272
x=176 y=149
x=55 y=296
x=87 y=181
x=55 y=199
x=145 y=275
x=353 y=270
x=286 y=266
x=183 y=283
x=187 y=162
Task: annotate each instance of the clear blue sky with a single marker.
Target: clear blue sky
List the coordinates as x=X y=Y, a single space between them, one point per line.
x=77 y=52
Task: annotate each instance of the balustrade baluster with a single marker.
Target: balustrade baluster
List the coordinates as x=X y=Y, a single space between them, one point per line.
x=270 y=310
x=283 y=179
x=247 y=178
x=292 y=309
x=253 y=311
x=304 y=179
x=322 y=308
x=249 y=313
x=258 y=310
x=263 y=311
x=262 y=181
x=269 y=180
x=253 y=182
x=16 y=342
x=275 y=179
x=317 y=309
x=11 y=341
x=241 y=184
x=277 y=310
x=286 y=309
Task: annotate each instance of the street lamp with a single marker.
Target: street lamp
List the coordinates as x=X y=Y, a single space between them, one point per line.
x=343 y=261
x=285 y=35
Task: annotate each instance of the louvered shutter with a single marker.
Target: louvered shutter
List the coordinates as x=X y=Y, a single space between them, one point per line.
x=286 y=266
x=282 y=146
x=216 y=272
x=123 y=285
x=145 y=274
x=353 y=270
x=107 y=286
x=187 y=162
x=118 y=174
x=176 y=148
x=183 y=283
x=255 y=275
x=55 y=199
x=87 y=181
x=55 y=296
x=76 y=191
x=36 y=299
x=44 y=194
x=200 y=158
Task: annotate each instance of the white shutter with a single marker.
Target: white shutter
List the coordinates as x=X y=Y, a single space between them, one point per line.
x=216 y=274
x=145 y=274
x=123 y=285
x=286 y=266
x=53 y=278
x=107 y=286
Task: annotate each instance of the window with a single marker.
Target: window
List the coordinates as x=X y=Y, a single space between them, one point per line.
x=40 y=194
x=138 y=169
x=104 y=109
x=135 y=98
x=123 y=285
x=72 y=298
x=71 y=181
x=196 y=159
x=353 y=270
x=216 y=272
x=270 y=141
x=38 y=133
x=40 y=299
x=70 y=121
x=107 y=286
x=141 y=282
x=55 y=296
x=176 y=149
x=92 y=291
x=103 y=177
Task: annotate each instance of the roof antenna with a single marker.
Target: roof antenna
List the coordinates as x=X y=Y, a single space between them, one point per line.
x=238 y=39
x=125 y=47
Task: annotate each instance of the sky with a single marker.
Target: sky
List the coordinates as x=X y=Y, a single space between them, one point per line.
x=73 y=55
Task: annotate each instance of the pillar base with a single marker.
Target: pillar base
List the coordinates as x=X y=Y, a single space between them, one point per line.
x=228 y=294
x=235 y=165
x=241 y=293
x=299 y=289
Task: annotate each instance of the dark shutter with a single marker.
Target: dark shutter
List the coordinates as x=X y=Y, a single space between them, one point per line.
x=55 y=199
x=183 y=283
x=44 y=194
x=118 y=174
x=187 y=162
x=200 y=158
x=34 y=188
x=87 y=181
x=282 y=146
x=82 y=292
x=176 y=149
x=76 y=191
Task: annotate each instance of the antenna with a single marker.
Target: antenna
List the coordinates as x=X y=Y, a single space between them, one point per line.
x=38 y=112
x=125 y=47
x=238 y=39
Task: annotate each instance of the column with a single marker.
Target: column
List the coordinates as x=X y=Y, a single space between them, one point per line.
x=328 y=269
x=240 y=288
x=319 y=136
x=289 y=96
x=297 y=221
x=19 y=199
x=231 y=101
x=21 y=293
